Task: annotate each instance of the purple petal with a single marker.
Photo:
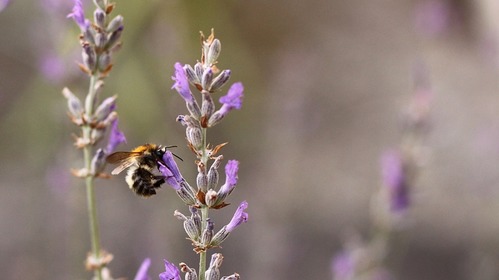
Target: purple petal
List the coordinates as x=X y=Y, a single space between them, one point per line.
x=234 y=97
x=170 y=170
x=116 y=137
x=4 y=4
x=78 y=15
x=239 y=217
x=343 y=266
x=394 y=179
x=181 y=84
x=142 y=272
x=171 y=272
x=231 y=178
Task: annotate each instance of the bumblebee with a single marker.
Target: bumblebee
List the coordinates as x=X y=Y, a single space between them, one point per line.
x=140 y=162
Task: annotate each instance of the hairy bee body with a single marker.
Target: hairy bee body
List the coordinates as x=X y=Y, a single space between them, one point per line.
x=141 y=163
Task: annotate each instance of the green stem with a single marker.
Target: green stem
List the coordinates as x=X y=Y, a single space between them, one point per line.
x=204 y=211
x=89 y=180
x=202 y=255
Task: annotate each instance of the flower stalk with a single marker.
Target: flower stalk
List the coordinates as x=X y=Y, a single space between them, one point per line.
x=98 y=41
x=206 y=78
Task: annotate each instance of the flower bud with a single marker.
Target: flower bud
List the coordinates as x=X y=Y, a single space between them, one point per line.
x=190 y=274
x=100 y=40
x=213 y=174
x=194 y=136
x=74 y=104
x=185 y=193
x=213 y=52
x=213 y=272
x=191 y=229
x=207 y=78
x=115 y=24
x=198 y=68
x=114 y=37
x=195 y=217
x=207 y=233
x=104 y=61
x=202 y=181
x=89 y=57
x=208 y=106
x=220 y=80
x=109 y=120
x=191 y=75
x=98 y=162
x=194 y=109
x=105 y=108
x=88 y=33
x=215 y=118
x=210 y=198
x=100 y=18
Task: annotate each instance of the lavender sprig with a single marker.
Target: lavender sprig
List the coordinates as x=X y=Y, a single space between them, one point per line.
x=399 y=168
x=99 y=40
x=206 y=78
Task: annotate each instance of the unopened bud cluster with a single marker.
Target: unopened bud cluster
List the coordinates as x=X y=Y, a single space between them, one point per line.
x=100 y=38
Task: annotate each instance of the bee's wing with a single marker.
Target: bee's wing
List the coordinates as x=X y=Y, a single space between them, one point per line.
x=124 y=159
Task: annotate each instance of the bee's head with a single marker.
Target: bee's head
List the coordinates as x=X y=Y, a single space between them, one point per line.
x=159 y=152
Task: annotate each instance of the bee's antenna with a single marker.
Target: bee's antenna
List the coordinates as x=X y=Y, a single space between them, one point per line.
x=177 y=157
x=173 y=146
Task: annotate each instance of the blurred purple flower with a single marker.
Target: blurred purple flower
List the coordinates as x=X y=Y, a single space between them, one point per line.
x=239 y=217
x=394 y=179
x=78 y=15
x=171 y=272
x=4 y=4
x=343 y=266
x=181 y=84
x=432 y=17
x=142 y=272
x=52 y=67
x=231 y=169
x=233 y=99
x=116 y=137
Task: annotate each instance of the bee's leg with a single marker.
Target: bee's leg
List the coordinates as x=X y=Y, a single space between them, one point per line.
x=158 y=181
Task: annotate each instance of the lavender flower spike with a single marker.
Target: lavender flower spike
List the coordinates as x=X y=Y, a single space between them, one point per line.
x=181 y=84
x=78 y=16
x=116 y=137
x=142 y=272
x=239 y=217
x=171 y=272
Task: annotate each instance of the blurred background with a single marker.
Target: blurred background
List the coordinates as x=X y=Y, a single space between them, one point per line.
x=326 y=83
